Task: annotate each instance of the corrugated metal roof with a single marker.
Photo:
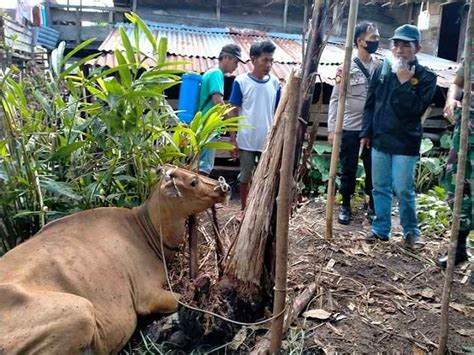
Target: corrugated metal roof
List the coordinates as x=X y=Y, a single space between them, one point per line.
x=201 y=46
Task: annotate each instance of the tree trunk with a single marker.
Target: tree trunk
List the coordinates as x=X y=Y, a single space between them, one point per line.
x=310 y=66
x=245 y=262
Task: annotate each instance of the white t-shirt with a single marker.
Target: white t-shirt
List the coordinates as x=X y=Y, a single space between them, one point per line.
x=257 y=100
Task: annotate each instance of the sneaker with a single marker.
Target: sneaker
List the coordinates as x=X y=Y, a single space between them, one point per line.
x=344 y=215
x=372 y=237
x=414 y=241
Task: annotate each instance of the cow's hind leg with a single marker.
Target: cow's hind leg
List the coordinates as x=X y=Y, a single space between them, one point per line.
x=46 y=322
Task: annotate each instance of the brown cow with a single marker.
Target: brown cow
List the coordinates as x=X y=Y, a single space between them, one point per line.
x=78 y=285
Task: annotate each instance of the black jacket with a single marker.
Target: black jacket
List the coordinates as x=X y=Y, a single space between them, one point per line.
x=392 y=112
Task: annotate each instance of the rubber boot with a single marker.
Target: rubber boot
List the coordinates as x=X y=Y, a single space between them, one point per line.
x=461 y=253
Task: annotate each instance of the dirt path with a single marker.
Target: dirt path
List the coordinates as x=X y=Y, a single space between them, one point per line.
x=385 y=297
x=378 y=297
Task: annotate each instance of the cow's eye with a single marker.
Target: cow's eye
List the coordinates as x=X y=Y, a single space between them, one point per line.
x=194 y=182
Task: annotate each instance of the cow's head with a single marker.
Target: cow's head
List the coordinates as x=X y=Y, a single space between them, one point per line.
x=188 y=192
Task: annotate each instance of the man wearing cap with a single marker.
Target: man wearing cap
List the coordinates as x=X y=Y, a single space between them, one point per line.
x=400 y=92
x=452 y=109
x=212 y=93
x=366 y=39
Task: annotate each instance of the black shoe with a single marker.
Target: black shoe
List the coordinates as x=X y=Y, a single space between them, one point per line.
x=414 y=241
x=344 y=215
x=370 y=215
x=372 y=237
x=461 y=256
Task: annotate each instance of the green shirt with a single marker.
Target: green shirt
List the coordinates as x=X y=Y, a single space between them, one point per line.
x=212 y=83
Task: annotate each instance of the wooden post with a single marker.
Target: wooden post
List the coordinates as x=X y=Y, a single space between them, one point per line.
x=460 y=175
x=311 y=57
x=218 y=10
x=340 y=116
x=285 y=15
x=193 y=247
x=336 y=14
x=283 y=213
x=134 y=6
x=305 y=27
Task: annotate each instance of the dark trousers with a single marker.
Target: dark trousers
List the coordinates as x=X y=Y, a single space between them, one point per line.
x=349 y=157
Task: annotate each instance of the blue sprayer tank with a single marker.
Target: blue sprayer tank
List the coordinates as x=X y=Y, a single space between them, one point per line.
x=189 y=93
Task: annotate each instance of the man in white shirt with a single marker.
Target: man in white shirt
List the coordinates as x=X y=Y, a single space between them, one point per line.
x=256 y=96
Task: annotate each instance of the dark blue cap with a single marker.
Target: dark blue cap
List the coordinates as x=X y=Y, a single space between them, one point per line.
x=407 y=33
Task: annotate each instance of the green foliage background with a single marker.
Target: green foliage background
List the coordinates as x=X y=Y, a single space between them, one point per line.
x=75 y=142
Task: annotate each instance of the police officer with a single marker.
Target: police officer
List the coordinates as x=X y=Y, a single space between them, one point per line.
x=366 y=39
x=453 y=109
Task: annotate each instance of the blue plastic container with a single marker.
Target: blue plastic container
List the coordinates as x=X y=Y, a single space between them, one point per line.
x=189 y=92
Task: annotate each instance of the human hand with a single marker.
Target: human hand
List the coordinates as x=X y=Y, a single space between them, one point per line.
x=451 y=105
x=365 y=142
x=235 y=152
x=330 y=137
x=405 y=74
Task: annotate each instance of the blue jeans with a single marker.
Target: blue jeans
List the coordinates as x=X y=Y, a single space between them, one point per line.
x=394 y=173
x=206 y=160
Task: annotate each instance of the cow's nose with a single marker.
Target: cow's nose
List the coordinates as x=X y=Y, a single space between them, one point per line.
x=223 y=185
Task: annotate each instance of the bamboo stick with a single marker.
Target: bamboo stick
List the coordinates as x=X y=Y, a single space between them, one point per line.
x=354 y=4
x=311 y=57
x=460 y=175
x=193 y=247
x=283 y=213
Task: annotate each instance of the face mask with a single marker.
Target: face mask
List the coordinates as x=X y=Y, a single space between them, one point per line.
x=372 y=46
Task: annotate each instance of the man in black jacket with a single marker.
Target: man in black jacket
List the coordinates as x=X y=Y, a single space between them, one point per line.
x=400 y=92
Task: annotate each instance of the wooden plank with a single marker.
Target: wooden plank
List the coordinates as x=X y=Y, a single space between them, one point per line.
x=15 y=26
x=85 y=8
x=68 y=33
x=60 y=15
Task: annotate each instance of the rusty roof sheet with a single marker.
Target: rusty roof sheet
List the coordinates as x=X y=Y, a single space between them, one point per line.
x=201 y=47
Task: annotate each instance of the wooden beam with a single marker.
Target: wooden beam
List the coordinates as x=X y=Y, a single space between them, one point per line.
x=285 y=14
x=85 y=8
x=218 y=10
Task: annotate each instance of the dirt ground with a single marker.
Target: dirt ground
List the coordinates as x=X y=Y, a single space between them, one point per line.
x=376 y=297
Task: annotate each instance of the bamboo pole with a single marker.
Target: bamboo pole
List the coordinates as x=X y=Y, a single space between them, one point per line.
x=193 y=247
x=460 y=175
x=283 y=213
x=354 y=4
x=311 y=57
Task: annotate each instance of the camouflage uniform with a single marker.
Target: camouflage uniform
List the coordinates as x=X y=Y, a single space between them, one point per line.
x=467 y=206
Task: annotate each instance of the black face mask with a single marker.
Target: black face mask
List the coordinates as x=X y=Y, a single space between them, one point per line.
x=372 y=46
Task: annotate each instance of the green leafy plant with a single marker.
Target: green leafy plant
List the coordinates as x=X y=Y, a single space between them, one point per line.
x=75 y=142
x=316 y=179
x=431 y=165
x=434 y=214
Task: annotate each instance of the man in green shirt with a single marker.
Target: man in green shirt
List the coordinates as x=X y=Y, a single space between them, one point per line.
x=453 y=110
x=212 y=93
